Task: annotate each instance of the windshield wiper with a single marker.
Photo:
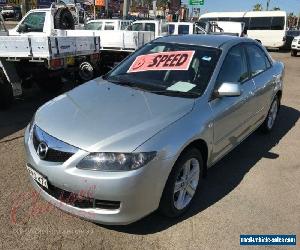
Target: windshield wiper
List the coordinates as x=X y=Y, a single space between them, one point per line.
x=175 y=93
x=120 y=81
x=139 y=86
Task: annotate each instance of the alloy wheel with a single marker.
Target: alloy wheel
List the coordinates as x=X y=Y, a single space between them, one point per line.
x=186 y=183
x=272 y=114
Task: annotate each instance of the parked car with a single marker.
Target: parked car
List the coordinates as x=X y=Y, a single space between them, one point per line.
x=290 y=35
x=13 y=12
x=42 y=52
x=295 y=46
x=142 y=137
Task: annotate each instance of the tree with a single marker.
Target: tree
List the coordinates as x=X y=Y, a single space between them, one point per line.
x=161 y=3
x=257 y=7
x=291 y=19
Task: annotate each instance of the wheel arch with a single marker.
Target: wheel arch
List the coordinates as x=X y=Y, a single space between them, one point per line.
x=201 y=145
x=279 y=94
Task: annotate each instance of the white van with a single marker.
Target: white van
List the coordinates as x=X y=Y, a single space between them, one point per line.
x=267 y=27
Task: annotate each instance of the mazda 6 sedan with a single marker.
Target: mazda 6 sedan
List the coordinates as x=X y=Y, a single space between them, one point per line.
x=142 y=137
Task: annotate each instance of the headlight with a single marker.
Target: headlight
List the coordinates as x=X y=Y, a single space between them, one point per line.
x=115 y=161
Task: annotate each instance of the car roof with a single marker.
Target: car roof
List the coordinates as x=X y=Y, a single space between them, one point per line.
x=214 y=41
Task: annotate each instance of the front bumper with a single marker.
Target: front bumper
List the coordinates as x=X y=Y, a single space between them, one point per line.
x=296 y=45
x=138 y=192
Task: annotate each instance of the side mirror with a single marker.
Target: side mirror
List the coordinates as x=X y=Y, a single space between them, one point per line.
x=23 y=28
x=228 y=89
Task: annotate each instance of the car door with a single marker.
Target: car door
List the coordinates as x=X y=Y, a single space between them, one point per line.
x=232 y=115
x=264 y=80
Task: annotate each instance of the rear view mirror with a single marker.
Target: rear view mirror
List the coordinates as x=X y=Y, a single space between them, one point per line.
x=228 y=89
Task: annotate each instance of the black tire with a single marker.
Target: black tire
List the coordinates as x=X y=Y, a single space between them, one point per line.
x=294 y=52
x=51 y=85
x=266 y=127
x=6 y=92
x=167 y=202
x=86 y=72
x=64 y=20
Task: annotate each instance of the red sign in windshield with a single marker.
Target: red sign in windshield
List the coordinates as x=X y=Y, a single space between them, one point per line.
x=173 y=60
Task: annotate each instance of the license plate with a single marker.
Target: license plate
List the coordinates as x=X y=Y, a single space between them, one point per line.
x=37 y=177
x=70 y=60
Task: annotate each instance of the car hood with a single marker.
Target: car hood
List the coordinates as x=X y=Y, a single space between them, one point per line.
x=102 y=116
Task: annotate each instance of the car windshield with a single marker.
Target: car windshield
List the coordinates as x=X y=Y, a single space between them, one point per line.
x=93 y=26
x=34 y=22
x=168 y=69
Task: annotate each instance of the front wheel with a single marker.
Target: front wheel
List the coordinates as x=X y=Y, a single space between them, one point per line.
x=271 y=118
x=86 y=72
x=294 y=52
x=182 y=184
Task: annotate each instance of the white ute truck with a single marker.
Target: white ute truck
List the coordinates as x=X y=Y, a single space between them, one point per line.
x=295 y=46
x=39 y=49
x=117 y=42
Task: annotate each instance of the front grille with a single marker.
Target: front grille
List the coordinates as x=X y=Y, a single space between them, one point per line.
x=78 y=201
x=58 y=151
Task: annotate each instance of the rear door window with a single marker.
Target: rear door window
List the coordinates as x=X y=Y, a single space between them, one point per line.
x=257 y=59
x=124 y=25
x=171 y=29
x=109 y=26
x=183 y=29
x=150 y=27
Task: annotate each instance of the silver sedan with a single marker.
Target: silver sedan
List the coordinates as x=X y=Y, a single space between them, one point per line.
x=142 y=137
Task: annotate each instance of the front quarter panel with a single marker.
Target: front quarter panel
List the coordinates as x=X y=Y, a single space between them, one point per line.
x=171 y=141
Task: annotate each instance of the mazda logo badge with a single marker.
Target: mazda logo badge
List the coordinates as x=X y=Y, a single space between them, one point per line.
x=42 y=150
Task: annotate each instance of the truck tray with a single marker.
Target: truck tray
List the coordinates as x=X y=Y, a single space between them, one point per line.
x=47 y=47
